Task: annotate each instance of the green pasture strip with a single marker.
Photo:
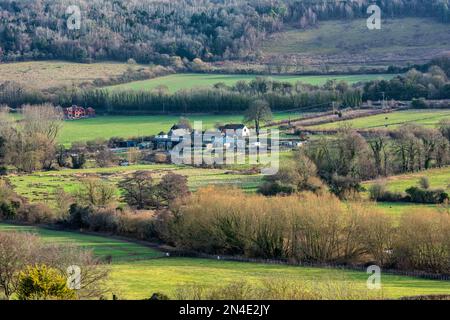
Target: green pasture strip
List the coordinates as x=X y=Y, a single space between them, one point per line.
x=186 y=81
x=105 y=127
x=140 y=279
x=101 y=246
x=428 y=118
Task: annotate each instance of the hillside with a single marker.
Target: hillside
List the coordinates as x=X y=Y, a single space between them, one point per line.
x=349 y=44
x=175 y=32
x=45 y=75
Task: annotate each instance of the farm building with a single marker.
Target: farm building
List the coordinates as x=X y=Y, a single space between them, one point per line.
x=178 y=131
x=239 y=130
x=77 y=112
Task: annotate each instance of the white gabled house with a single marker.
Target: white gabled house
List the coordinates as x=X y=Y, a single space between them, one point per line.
x=235 y=130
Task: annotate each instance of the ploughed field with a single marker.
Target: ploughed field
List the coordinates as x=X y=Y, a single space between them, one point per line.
x=138 y=271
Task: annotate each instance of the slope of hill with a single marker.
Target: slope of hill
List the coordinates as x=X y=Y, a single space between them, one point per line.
x=44 y=75
x=349 y=43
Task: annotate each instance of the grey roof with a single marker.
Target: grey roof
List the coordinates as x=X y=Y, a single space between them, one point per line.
x=232 y=127
x=180 y=126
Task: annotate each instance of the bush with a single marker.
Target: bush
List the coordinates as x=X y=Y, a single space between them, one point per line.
x=276 y=188
x=79 y=216
x=424 y=183
x=277 y=289
x=7 y=210
x=137 y=225
x=43 y=283
x=10 y=202
x=21 y=250
x=103 y=220
x=161 y=158
x=419 y=104
x=418 y=195
x=37 y=213
x=223 y=221
x=378 y=192
x=423 y=241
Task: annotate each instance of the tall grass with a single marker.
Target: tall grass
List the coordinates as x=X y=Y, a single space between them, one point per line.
x=279 y=289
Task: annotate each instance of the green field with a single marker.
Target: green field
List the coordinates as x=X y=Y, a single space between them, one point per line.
x=40 y=186
x=438 y=178
x=105 y=127
x=187 y=81
x=134 y=278
x=428 y=118
x=102 y=247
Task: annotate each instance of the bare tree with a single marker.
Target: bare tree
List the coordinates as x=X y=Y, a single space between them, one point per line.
x=139 y=190
x=96 y=192
x=19 y=250
x=259 y=112
x=16 y=252
x=43 y=119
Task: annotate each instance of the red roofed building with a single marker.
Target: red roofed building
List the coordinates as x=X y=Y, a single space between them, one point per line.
x=76 y=112
x=90 y=112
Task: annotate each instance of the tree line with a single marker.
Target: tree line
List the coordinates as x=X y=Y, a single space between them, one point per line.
x=344 y=162
x=431 y=83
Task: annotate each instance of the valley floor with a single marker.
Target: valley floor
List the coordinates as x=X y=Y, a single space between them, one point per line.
x=138 y=271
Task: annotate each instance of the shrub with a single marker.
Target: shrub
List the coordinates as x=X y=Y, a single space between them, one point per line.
x=419 y=195
x=307 y=227
x=378 y=192
x=423 y=241
x=161 y=158
x=96 y=192
x=137 y=225
x=276 y=188
x=102 y=219
x=419 y=104
x=424 y=182
x=63 y=202
x=78 y=216
x=37 y=213
x=43 y=283
x=20 y=250
x=7 y=210
x=278 y=289
x=10 y=202
x=172 y=187
x=299 y=174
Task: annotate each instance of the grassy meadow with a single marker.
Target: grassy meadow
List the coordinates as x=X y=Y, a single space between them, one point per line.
x=136 y=274
x=411 y=39
x=186 y=81
x=102 y=247
x=44 y=75
x=438 y=178
x=40 y=186
x=105 y=127
x=428 y=118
